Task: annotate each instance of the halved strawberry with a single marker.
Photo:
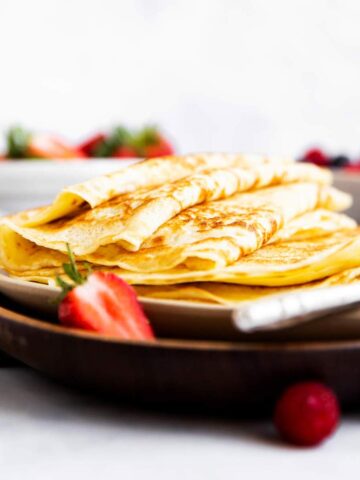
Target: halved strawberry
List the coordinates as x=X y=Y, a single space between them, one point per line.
x=47 y=146
x=117 y=138
x=103 y=303
x=159 y=149
x=150 y=143
x=125 y=152
x=23 y=144
x=89 y=146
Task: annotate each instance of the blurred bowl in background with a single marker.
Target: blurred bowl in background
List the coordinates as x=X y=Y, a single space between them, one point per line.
x=30 y=183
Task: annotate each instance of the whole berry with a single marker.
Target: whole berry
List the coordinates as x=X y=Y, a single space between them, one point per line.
x=307 y=413
x=316 y=156
x=339 y=161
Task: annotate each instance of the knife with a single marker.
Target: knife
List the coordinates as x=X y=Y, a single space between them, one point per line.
x=291 y=309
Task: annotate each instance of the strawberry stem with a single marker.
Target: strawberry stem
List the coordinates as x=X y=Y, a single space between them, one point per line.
x=71 y=270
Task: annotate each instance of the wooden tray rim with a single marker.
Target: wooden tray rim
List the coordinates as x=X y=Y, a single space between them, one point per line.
x=13 y=316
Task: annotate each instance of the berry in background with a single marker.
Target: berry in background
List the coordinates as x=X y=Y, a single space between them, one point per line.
x=89 y=146
x=24 y=144
x=316 y=156
x=339 y=161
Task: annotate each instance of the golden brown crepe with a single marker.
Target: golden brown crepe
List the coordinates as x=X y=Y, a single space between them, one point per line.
x=20 y=254
x=129 y=220
x=147 y=174
x=232 y=294
x=216 y=234
x=279 y=264
x=208 y=236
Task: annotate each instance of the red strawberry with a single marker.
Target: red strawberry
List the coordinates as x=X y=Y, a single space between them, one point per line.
x=102 y=303
x=307 y=413
x=47 y=146
x=316 y=156
x=23 y=144
x=117 y=139
x=125 y=152
x=150 y=143
x=89 y=146
x=160 y=148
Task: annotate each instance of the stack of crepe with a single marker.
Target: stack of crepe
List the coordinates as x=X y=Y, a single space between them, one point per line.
x=209 y=227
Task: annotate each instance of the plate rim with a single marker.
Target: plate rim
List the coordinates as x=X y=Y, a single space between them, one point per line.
x=13 y=316
x=143 y=300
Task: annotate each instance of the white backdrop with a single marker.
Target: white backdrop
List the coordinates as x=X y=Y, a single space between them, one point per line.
x=253 y=75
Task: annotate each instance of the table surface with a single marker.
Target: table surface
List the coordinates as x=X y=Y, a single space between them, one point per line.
x=52 y=432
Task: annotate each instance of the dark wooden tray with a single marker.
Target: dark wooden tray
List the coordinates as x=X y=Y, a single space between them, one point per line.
x=173 y=373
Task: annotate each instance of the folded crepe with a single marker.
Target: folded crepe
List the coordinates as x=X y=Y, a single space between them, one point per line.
x=129 y=220
x=298 y=260
x=216 y=234
x=146 y=174
x=208 y=236
x=278 y=264
x=231 y=294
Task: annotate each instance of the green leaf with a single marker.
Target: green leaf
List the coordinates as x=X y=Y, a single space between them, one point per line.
x=73 y=273
x=71 y=269
x=65 y=289
x=68 y=269
x=149 y=135
x=17 y=142
x=119 y=137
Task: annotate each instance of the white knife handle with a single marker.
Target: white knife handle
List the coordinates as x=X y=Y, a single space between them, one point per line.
x=293 y=308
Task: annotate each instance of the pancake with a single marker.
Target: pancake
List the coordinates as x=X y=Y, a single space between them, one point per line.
x=313 y=224
x=147 y=174
x=210 y=235
x=228 y=294
x=20 y=254
x=279 y=264
x=130 y=219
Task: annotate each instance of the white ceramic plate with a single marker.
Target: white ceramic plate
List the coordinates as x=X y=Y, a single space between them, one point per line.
x=181 y=319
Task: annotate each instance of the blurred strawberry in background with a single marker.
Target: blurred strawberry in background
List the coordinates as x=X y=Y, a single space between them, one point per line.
x=316 y=156
x=113 y=143
x=321 y=158
x=149 y=142
x=24 y=144
x=89 y=146
x=123 y=143
x=119 y=142
x=125 y=152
